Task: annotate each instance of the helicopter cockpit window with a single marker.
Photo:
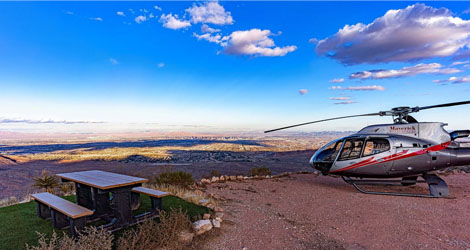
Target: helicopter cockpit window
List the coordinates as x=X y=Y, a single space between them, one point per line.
x=376 y=146
x=329 y=153
x=352 y=149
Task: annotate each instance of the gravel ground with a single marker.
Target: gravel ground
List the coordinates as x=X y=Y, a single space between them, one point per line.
x=310 y=212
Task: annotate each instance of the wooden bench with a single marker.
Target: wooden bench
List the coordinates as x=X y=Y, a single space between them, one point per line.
x=62 y=212
x=155 y=197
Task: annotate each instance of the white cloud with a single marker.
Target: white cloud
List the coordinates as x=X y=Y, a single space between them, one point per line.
x=120 y=13
x=415 y=32
x=255 y=42
x=339 y=98
x=69 y=13
x=216 y=38
x=454 y=79
x=157 y=8
x=96 y=19
x=303 y=91
x=113 y=61
x=151 y=15
x=30 y=121
x=161 y=65
x=313 y=40
x=206 y=29
x=431 y=68
x=359 y=88
x=345 y=102
x=171 y=21
x=337 y=80
x=210 y=12
x=459 y=63
x=140 y=19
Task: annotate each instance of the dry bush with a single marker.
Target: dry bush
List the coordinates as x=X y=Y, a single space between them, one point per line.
x=194 y=196
x=154 y=235
x=8 y=201
x=91 y=239
x=46 y=181
x=178 y=178
x=259 y=171
x=67 y=188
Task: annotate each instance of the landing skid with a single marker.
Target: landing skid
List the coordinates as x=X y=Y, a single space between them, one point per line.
x=437 y=186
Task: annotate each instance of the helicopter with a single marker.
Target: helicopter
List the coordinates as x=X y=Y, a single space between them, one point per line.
x=405 y=149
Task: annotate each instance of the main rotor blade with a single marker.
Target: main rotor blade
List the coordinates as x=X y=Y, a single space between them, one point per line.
x=441 y=105
x=324 y=120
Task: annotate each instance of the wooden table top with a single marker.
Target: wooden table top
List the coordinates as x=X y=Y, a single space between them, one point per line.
x=102 y=179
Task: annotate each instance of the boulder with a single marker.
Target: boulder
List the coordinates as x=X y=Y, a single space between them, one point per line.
x=202 y=226
x=205 y=181
x=206 y=216
x=218 y=209
x=185 y=237
x=219 y=215
x=240 y=178
x=215 y=179
x=215 y=223
x=221 y=179
x=233 y=178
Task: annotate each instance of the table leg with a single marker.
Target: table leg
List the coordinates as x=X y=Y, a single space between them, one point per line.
x=122 y=207
x=83 y=196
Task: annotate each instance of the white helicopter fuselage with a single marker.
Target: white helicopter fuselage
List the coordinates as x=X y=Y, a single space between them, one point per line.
x=391 y=150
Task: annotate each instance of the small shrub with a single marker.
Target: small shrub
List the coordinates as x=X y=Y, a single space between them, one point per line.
x=46 y=181
x=67 y=188
x=261 y=171
x=179 y=178
x=153 y=235
x=91 y=239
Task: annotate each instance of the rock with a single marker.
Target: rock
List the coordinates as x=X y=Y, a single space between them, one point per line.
x=219 y=215
x=210 y=206
x=222 y=179
x=202 y=226
x=185 y=237
x=215 y=179
x=246 y=177
x=233 y=178
x=205 y=181
x=240 y=178
x=316 y=173
x=218 y=209
x=218 y=219
x=267 y=177
x=206 y=216
x=215 y=223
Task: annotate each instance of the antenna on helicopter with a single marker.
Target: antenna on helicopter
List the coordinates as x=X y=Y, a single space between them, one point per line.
x=400 y=115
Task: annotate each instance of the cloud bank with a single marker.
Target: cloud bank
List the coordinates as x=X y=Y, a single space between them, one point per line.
x=431 y=68
x=360 y=88
x=413 y=33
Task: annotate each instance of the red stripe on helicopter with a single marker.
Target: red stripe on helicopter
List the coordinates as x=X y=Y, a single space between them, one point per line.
x=397 y=156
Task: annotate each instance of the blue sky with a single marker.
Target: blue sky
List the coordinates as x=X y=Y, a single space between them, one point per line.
x=229 y=65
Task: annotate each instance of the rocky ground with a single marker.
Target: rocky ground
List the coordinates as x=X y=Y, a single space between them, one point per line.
x=310 y=212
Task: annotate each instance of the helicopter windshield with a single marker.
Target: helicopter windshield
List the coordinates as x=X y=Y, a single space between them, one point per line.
x=323 y=159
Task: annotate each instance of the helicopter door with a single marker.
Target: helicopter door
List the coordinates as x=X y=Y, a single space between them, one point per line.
x=349 y=154
x=379 y=148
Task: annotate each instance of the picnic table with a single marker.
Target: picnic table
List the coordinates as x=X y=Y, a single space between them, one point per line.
x=108 y=195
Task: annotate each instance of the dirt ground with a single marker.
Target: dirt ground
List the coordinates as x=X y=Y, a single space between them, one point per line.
x=310 y=212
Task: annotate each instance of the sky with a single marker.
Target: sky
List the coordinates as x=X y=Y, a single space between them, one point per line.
x=229 y=66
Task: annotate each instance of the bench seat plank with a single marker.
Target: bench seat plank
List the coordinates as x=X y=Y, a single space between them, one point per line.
x=66 y=207
x=150 y=192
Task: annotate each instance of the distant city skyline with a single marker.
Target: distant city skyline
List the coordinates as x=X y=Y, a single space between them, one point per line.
x=228 y=65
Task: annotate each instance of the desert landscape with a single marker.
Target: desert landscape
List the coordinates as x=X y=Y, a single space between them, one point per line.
x=24 y=156
x=297 y=211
